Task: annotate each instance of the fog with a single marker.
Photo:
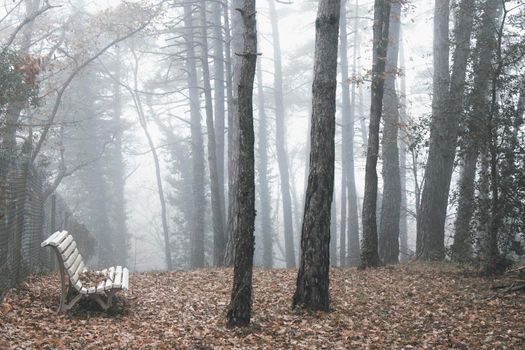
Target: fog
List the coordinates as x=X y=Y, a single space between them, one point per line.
x=111 y=74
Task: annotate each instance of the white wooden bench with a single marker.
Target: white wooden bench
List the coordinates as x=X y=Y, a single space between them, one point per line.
x=70 y=261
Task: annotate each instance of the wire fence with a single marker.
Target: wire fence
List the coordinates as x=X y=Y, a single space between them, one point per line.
x=26 y=219
x=21 y=220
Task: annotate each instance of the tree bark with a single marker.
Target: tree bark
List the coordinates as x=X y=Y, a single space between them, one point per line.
x=313 y=277
x=232 y=71
x=219 y=108
x=333 y=233
x=263 y=170
x=479 y=108
x=239 y=310
x=403 y=217
x=391 y=204
x=353 y=251
x=219 y=243
x=447 y=104
x=369 y=253
x=197 y=148
x=280 y=140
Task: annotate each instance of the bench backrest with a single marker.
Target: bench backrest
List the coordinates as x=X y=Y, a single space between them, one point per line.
x=68 y=255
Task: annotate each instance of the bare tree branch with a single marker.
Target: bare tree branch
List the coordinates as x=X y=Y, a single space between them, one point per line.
x=70 y=79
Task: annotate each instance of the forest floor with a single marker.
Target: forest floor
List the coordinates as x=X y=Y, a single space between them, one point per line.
x=407 y=306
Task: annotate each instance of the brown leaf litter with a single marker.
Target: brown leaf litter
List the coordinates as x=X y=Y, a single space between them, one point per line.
x=402 y=307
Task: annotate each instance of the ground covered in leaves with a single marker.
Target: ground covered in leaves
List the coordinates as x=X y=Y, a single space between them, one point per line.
x=410 y=306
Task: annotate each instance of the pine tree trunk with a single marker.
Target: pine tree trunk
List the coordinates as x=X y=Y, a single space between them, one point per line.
x=232 y=72
x=239 y=310
x=218 y=81
x=403 y=217
x=262 y=171
x=354 y=251
x=219 y=243
x=485 y=44
x=117 y=169
x=388 y=244
x=369 y=253
x=197 y=147
x=333 y=233
x=447 y=105
x=313 y=276
x=346 y=131
x=280 y=140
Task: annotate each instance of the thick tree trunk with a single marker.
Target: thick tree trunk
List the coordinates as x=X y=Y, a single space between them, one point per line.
x=280 y=140
x=431 y=218
x=239 y=310
x=197 y=147
x=232 y=72
x=485 y=43
x=369 y=253
x=219 y=242
x=391 y=204
x=263 y=170
x=313 y=276
x=446 y=107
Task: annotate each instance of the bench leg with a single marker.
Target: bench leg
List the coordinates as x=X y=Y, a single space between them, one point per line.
x=72 y=302
x=105 y=304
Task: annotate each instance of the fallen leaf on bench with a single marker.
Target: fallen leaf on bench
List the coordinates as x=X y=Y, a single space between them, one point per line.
x=92 y=278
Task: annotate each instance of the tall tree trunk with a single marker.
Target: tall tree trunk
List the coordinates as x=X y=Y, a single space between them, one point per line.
x=485 y=43
x=232 y=71
x=239 y=310
x=160 y=188
x=353 y=251
x=492 y=253
x=218 y=81
x=346 y=130
x=263 y=170
x=391 y=203
x=280 y=140
x=342 y=234
x=447 y=104
x=369 y=253
x=357 y=66
x=197 y=148
x=117 y=168
x=313 y=276
x=333 y=233
x=219 y=242
x=403 y=217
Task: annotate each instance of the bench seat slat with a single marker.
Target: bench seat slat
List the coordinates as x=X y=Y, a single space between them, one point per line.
x=69 y=250
x=125 y=279
x=65 y=243
x=55 y=239
x=110 y=279
x=117 y=283
x=71 y=260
